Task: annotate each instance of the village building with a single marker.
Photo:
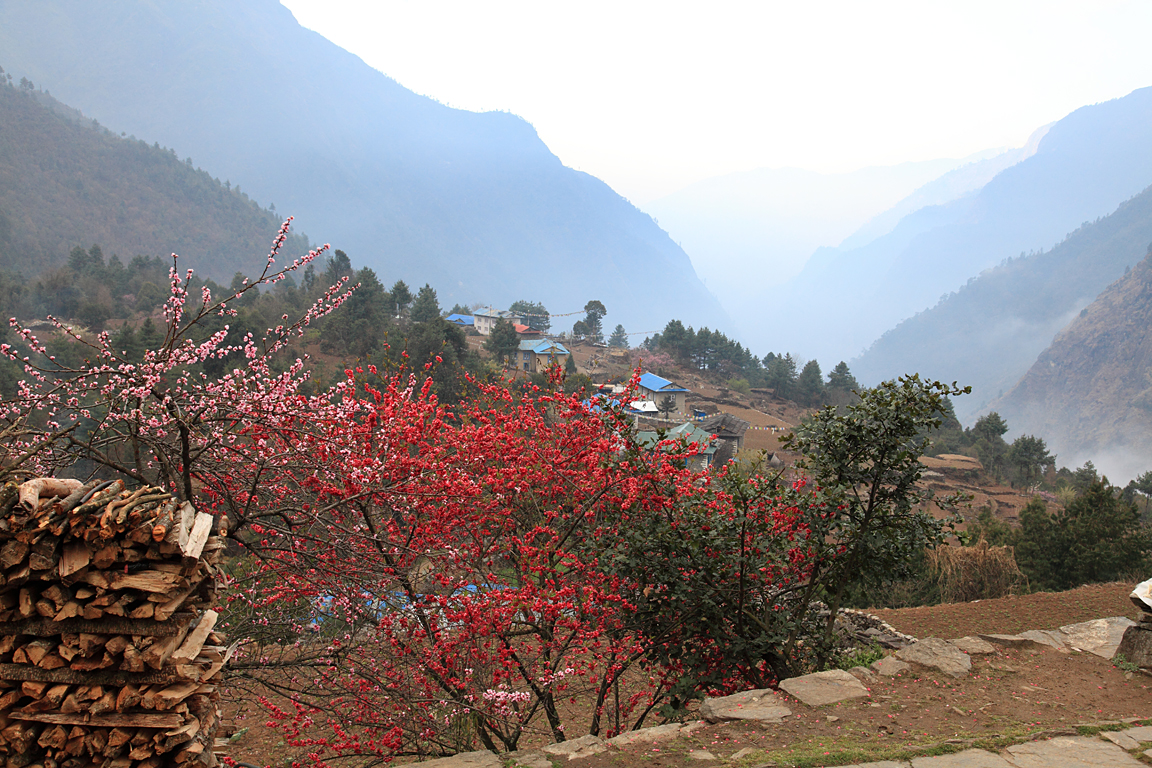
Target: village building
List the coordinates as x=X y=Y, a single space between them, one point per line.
x=485 y=319
x=656 y=388
x=536 y=355
x=706 y=445
x=464 y=321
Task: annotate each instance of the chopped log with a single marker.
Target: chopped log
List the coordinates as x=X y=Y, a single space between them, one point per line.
x=26 y=604
x=198 y=536
x=106 y=703
x=143 y=611
x=119 y=736
x=13 y=553
x=91 y=641
x=33 y=688
x=52 y=661
x=38 y=649
x=69 y=610
x=33 y=490
x=103 y=661
x=105 y=556
x=53 y=738
x=44 y=555
x=75 y=557
x=191 y=646
x=9 y=495
x=128 y=697
x=166 y=720
x=145 y=581
x=70 y=705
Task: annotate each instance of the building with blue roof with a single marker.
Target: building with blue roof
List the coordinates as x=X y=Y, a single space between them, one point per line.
x=535 y=355
x=464 y=321
x=656 y=388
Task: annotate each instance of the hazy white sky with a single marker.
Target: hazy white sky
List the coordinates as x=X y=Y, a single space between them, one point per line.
x=651 y=96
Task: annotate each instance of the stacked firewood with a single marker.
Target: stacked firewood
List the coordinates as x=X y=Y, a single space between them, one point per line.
x=108 y=654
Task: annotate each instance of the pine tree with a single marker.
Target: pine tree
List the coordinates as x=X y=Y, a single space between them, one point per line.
x=425 y=307
x=619 y=338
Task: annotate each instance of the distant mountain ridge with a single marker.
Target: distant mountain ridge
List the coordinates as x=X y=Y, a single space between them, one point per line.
x=65 y=182
x=1086 y=164
x=990 y=331
x=1090 y=393
x=474 y=203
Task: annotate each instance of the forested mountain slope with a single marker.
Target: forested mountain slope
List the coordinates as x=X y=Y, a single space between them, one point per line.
x=1090 y=393
x=405 y=185
x=66 y=182
x=1087 y=164
x=989 y=332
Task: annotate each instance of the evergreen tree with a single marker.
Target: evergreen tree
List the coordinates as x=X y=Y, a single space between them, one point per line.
x=401 y=296
x=619 y=338
x=810 y=384
x=593 y=319
x=841 y=378
x=781 y=376
x=425 y=307
x=570 y=365
x=503 y=342
x=460 y=309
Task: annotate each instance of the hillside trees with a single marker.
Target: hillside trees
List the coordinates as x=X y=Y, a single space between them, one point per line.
x=593 y=327
x=619 y=337
x=534 y=313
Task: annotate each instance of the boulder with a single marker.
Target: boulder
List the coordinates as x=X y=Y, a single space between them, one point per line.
x=1100 y=637
x=1136 y=646
x=890 y=666
x=973 y=645
x=585 y=746
x=828 y=687
x=863 y=674
x=934 y=653
x=700 y=754
x=762 y=705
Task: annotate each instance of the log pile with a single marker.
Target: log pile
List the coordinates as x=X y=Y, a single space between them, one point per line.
x=108 y=654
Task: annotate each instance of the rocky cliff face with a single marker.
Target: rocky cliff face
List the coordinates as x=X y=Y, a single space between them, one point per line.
x=1090 y=393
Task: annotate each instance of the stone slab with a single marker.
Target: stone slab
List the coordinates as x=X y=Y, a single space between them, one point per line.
x=1136 y=646
x=1120 y=739
x=890 y=666
x=1100 y=637
x=828 y=687
x=700 y=754
x=1052 y=639
x=969 y=758
x=881 y=764
x=1070 y=752
x=1015 y=641
x=646 y=735
x=746 y=752
x=1142 y=733
x=481 y=759
x=934 y=653
x=863 y=674
x=762 y=705
x=973 y=645
x=527 y=758
x=573 y=749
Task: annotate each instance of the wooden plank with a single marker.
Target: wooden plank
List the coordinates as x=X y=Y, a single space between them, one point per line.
x=42 y=677
x=145 y=627
x=167 y=720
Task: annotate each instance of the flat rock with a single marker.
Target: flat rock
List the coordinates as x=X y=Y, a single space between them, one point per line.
x=1121 y=739
x=527 y=758
x=973 y=645
x=700 y=754
x=863 y=674
x=1136 y=646
x=1051 y=638
x=890 y=666
x=1142 y=733
x=585 y=746
x=762 y=705
x=1009 y=640
x=934 y=653
x=481 y=759
x=969 y=758
x=828 y=687
x=1070 y=752
x=1100 y=637
x=691 y=727
x=746 y=752
x=646 y=735
x=881 y=764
